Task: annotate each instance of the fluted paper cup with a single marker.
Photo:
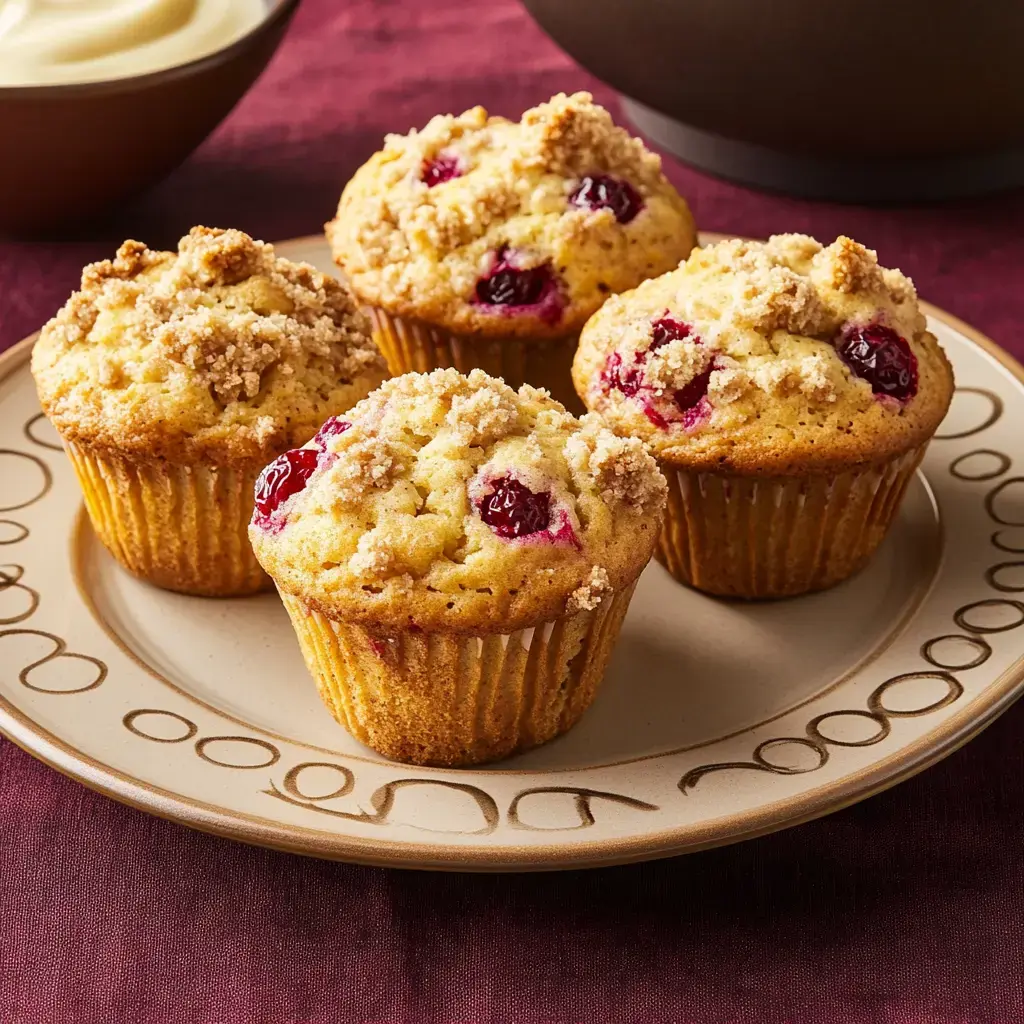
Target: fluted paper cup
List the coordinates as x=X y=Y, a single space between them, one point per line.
x=447 y=699
x=415 y=346
x=181 y=527
x=746 y=537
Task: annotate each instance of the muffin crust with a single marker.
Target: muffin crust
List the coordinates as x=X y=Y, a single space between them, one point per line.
x=418 y=249
x=221 y=351
x=753 y=328
x=390 y=529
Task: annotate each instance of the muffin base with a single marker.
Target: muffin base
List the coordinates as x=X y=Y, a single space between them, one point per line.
x=743 y=537
x=451 y=700
x=183 y=528
x=411 y=345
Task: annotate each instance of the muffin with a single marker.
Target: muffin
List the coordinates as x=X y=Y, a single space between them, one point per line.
x=481 y=242
x=788 y=390
x=173 y=377
x=457 y=559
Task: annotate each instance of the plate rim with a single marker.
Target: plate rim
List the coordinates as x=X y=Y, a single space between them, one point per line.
x=930 y=748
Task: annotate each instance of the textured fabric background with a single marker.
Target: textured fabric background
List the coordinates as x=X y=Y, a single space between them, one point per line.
x=907 y=909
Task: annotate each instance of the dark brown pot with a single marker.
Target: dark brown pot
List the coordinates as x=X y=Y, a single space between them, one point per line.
x=877 y=99
x=71 y=151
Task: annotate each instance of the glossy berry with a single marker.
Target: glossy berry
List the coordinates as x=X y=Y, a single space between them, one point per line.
x=442 y=168
x=689 y=397
x=877 y=354
x=668 y=329
x=603 y=192
x=513 y=510
x=332 y=426
x=286 y=475
x=507 y=285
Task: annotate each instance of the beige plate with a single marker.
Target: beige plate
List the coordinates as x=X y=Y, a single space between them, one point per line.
x=717 y=721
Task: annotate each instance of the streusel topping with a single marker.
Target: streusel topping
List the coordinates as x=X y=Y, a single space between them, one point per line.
x=561 y=208
x=221 y=343
x=454 y=500
x=766 y=347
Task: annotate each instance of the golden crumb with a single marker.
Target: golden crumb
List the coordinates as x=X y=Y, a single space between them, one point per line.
x=590 y=594
x=847 y=266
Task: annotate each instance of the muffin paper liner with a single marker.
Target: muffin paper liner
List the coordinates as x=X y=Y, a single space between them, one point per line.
x=414 y=346
x=777 y=537
x=181 y=527
x=446 y=699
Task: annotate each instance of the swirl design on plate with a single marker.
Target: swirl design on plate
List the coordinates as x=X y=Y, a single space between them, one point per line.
x=330 y=788
x=798 y=755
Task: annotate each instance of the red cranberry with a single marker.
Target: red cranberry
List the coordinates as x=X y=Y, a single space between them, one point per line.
x=628 y=377
x=877 y=354
x=332 y=426
x=513 y=510
x=513 y=287
x=286 y=475
x=668 y=329
x=622 y=377
x=603 y=192
x=442 y=168
x=690 y=397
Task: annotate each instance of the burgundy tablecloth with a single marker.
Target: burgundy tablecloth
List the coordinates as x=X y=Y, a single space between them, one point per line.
x=906 y=909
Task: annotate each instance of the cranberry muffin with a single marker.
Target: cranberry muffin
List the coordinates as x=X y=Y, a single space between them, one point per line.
x=788 y=389
x=457 y=558
x=483 y=242
x=173 y=377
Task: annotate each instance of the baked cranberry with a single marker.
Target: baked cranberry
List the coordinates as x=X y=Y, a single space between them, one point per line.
x=603 y=192
x=286 y=475
x=513 y=287
x=621 y=376
x=442 y=168
x=668 y=329
x=332 y=426
x=628 y=377
x=877 y=354
x=511 y=509
x=690 y=396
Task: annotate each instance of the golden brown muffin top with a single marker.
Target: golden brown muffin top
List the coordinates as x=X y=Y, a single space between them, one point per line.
x=456 y=504
x=783 y=356
x=221 y=350
x=477 y=223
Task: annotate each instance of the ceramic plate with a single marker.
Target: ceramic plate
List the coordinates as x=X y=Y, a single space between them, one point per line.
x=717 y=721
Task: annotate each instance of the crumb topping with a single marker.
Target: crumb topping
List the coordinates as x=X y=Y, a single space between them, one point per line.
x=756 y=351
x=588 y=596
x=451 y=484
x=422 y=241
x=222 y=322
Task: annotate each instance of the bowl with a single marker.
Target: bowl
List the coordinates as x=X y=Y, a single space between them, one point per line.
x=70 y=151
x=875 y=100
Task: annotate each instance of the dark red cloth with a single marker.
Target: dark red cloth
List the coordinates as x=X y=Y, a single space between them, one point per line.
x=905 y=909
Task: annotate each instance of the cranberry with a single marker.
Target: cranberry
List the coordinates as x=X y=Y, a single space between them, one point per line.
x=513 y=510
x=877 y=354
x=285 y=476
x=690 y=397
x=668 y=329
x=603 y=192
x=628 y=377
x=513 y=287
x=332 y=426
x=618 y=375
x=442 y=168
